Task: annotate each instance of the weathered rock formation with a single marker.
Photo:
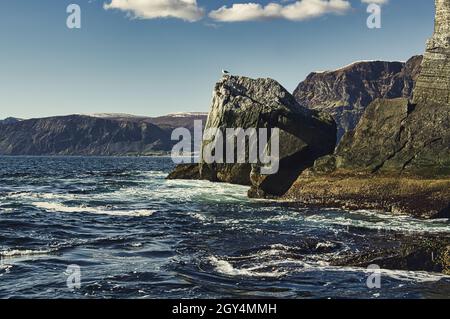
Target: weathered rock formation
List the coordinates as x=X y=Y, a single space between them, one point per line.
x=402 y=252
x=418 y=197
x=396 y=140
x=185 y=171
x=433 y=85
x=397 y=137
x=346 y=93
x=397 y=159
x=305 y=135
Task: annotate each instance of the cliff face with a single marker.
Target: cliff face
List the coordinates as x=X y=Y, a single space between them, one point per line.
x=397 y=160
x=397 y=137
x=402 y=137
x=346 y=93
x=433 y=84
x=305 y=135
x=398 y=157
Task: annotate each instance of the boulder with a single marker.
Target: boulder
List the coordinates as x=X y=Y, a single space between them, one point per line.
x=185 y=171
x=304 y=135
x=403 y=252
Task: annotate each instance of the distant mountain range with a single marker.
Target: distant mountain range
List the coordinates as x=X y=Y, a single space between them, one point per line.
x=347 y=92
x=344 y=94
x=10 y=120
x=97 y=134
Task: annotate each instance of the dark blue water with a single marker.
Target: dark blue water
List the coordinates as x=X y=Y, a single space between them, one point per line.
x=136 y=235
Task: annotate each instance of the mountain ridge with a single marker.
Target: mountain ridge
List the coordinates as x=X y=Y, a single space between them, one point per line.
x=345 y=93
x=78 y=134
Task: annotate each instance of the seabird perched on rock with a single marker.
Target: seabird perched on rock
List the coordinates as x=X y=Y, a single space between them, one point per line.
x=225 y=72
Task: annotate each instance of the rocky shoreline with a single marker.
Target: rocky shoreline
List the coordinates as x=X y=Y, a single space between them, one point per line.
x=420 y=198
x=429 y=253
x=416 y=197
x=396 y=159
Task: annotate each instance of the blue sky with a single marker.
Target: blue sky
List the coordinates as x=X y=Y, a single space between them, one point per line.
x=153 y=66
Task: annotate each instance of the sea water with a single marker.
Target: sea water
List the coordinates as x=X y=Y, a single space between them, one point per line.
x=134 y=234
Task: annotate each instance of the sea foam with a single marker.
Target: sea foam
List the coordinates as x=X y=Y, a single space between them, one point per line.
x=61 y=208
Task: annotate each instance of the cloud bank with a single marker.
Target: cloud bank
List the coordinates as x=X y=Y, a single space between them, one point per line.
x=296 y=11
x=187 y=10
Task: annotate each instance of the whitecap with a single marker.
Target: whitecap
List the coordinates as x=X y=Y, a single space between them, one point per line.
x=6 y=210
x=401 y=275
x=61 y=208
x=38 y=195
x=154 y=174
x=381 y=221
x=226 y=268
x=327 y=244
x=201 y=191
x=202 y=218
x=5 y=268
x=269 y=259
x=24 y=252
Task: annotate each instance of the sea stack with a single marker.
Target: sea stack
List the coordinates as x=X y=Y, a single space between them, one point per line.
x=433 y=84
x=242 y=102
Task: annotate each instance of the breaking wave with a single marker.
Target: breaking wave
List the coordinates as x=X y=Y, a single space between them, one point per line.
x=57 y=207
x=25 y=252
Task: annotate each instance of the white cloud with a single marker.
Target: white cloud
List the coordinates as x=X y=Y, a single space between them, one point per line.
x=151 y=9
x=299 y=10
x=188 y=10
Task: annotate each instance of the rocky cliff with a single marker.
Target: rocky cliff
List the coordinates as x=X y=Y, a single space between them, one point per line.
x=395 y=136
x=346 y=93
x=433 y=85
x=398 y=157
x=112 y=134
x=241 y=102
